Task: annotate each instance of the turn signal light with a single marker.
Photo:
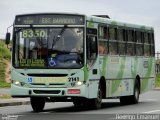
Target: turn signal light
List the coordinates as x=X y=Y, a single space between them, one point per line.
x=73 y=91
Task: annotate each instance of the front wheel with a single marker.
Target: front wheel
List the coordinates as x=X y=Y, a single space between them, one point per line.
x=37 y=103
x=96 y=103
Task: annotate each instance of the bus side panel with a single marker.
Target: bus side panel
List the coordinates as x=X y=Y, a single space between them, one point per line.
x=148 y=80
x=119 y=77
x=93 y=79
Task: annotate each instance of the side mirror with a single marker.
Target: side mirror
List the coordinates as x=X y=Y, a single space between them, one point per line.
x=8 y=35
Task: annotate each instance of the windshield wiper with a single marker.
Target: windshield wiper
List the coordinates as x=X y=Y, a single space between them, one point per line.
x=59 y=35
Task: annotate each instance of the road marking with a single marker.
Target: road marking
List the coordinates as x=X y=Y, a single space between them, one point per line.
x=153 y=111
x=149 y=100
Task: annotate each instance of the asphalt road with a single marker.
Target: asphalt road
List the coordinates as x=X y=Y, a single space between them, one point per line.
x=149 y=104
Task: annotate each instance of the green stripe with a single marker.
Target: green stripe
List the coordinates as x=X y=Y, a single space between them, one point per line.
x=104 y=68
x=135 y=66
x=85 y=73
x=148 y=74
x=117 y=82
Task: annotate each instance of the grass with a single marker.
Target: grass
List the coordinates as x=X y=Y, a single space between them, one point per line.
x=158 y=80
x=3 y=84
x=5 y=54
x=5 y=96
x=4 y=51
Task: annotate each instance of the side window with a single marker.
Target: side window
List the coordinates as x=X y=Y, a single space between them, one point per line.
x=103 y=32
x=139 y=43
x=139 y=49
x=130 y=49
x=130 y=35
x=122 y=48
x=152 y=50
x=103 y=47
x=121 y=36
x=147 y=47
x=112 y=33
x=113 y=44
x=130 y=42
x=103 y=39
x=147 y=51
x=146 y=40
x=113 y=48
x=138 y=37
x=152 y=44
x=92 y=48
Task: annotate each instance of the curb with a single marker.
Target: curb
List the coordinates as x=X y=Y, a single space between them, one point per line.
x=14 y=102
x=157 y=89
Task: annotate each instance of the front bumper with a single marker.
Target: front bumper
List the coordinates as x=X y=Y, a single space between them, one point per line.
x=18 y=91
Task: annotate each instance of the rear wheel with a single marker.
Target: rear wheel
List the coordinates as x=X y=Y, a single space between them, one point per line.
x=133 y=99
x=37 y=103
x=135 y=96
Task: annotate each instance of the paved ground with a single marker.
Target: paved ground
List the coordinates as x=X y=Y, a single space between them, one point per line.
x=111 y=110
x=4 y=90
x=12 y=101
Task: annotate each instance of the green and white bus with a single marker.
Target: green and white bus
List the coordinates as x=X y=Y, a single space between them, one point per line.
x=63 y=57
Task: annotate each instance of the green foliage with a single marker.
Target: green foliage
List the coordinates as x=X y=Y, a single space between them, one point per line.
x=158 y=80
x=4 y=84
x=5 y=96
x=5 y=54
x=2 y=75
x=4 y=51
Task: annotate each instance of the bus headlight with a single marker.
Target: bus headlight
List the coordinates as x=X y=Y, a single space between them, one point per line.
x=79 y=83
x=18 y=83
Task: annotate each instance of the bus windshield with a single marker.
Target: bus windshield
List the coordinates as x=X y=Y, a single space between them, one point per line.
x=48 y=47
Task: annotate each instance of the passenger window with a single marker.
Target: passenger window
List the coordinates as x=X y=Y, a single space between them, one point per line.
x=121 y=34
x=139 y=49
x=113 y=48
x=122 y=48
x=103 y=32
x=103 y=47
x=147 y=51
x=112 y=33
x=130 y=49
x=152 y=50
x=146 y=40
x=130 y=35
x=138 y=37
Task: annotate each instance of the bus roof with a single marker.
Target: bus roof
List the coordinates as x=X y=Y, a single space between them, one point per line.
x=117 y=23
x=96 y=19
x=50 y=13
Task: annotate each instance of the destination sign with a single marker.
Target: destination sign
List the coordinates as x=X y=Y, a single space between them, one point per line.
x=49 y=19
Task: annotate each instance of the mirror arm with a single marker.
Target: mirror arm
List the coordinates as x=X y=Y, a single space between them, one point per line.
x=9 y=27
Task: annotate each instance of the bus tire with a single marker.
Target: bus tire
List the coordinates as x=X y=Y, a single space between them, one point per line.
x=77 y=103
x=37 y=103
x=97 y=102
x=135 y=97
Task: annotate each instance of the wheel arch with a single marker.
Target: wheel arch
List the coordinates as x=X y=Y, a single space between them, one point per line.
x=138 y=79
x=103 y=86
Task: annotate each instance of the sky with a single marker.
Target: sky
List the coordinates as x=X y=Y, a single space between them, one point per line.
x=142 y=12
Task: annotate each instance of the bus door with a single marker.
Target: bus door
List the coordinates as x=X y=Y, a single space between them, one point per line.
x=92 y=51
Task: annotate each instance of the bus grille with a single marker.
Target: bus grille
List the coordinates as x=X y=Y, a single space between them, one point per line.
x=46 y=91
